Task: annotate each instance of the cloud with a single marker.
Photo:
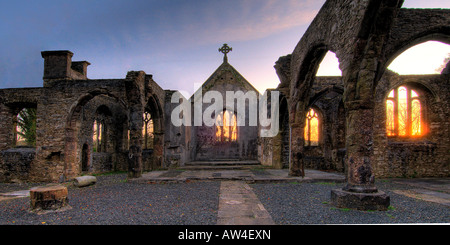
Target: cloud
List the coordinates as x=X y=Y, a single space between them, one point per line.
x=237 y=20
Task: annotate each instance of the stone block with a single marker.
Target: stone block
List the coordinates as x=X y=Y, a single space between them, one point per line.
x=361 y=201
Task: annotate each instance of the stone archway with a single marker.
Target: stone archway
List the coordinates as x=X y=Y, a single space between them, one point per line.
x=362 y=29
x=154 y=158
x=299 y=102
x=73 y=155
x=281 y=142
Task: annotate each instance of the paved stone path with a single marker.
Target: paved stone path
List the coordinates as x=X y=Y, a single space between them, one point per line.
x=428 y=189
x=249 y=176
x=239 y=205
x=14 y=194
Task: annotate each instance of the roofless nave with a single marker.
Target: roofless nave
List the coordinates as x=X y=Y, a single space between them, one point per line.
x=369 y=122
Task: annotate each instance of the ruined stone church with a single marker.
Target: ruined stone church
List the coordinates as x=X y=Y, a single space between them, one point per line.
x=369 y=122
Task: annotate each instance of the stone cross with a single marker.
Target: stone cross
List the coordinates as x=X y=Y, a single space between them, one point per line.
x=225 y=50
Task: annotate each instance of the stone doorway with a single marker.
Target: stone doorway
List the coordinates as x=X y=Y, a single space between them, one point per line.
x=85 y=158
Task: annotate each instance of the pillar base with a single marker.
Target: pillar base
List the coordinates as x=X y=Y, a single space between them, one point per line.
x=361 y=201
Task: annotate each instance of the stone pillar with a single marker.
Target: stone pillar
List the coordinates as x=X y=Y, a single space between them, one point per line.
x=360 y=191
x=135 y=150
x=158 y=150
x=276 y=151
x=296 y=167
x=71 y=166
x=7 y=139
x=134 y=90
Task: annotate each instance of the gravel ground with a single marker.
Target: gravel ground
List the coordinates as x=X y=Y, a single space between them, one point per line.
x=308 y=203
x=112 y=201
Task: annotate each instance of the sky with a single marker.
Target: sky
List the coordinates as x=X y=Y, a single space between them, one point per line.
x=176 y=41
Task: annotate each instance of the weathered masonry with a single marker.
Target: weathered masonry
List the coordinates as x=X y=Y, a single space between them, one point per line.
x=366 y=36
x=369 y=122
x=66 y=108
x=99 y=125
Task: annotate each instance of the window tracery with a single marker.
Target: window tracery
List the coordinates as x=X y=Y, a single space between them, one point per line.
x=226 y=127
x=311 y=128
x=404 y=113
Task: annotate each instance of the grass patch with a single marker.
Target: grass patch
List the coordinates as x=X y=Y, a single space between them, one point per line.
x=326 y=183
x=106 y=173
x=294 y=183
x=341 y=209
x=390 y=216
x=261 y=168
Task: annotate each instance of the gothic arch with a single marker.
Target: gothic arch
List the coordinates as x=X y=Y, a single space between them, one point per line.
x=281 y=142
x=73 y=123
x=154 y=108
x=8 y=115
x=414 y=26
x=416 y=84
x=320 y=94
x=423 y=37
x=157 y=156
x=76 y=107
x=304 y=81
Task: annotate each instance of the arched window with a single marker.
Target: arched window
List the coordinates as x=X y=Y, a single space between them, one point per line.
x=312 y=129
x=147 y=131
x=25 y=131
x=226 y=127
x=102 y=120
x=404 y=113
x=98 y=135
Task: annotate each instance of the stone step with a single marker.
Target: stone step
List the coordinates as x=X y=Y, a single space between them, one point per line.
x=220 y=165
x=223 y=162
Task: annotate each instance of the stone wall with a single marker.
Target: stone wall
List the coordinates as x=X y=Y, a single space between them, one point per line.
x=102 y=162
x=115 y=134
x=61 y=127
x=15 y=164
x=392 y=157
x=177 y=140
x=326 y=100
x=365 y=36
x=67 y=106
x=425 y=156
x=204 y=143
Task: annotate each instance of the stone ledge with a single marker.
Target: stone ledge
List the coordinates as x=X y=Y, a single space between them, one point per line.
x=360 y=201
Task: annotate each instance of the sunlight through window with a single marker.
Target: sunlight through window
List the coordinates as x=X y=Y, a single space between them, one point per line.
x=147 y=131
x=404 y=113
x=226 y=127
x=97 y=135
x=312 y=129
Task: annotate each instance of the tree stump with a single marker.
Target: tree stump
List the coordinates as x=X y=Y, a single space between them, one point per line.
x=49 y=198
